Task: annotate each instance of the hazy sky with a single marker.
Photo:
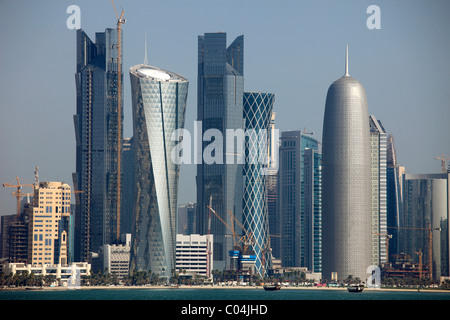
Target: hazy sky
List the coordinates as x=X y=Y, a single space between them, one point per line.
x=294 y=49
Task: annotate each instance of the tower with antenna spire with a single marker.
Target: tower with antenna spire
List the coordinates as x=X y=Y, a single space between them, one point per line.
x=346 y=180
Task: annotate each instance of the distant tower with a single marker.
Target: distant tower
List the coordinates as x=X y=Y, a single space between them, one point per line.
x=159 y=105
x=346 y=185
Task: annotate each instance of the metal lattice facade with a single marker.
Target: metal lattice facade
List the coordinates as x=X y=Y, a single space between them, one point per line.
x=257 y=114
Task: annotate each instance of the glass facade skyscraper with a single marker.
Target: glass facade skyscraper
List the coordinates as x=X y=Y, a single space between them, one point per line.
x=426 y=205
x=291 y=200
x=257 y=114
x=312 y=209
x=378 y=153
x=159 y=105
x=394 y=189
x=96 y=133
x=220 y=90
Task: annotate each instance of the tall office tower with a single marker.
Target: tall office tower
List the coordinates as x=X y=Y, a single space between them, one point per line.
x=96 y=126
x=257 y=114
x=159 y=105
x=290 y=199
x=378 y=153
x=272 y=190
x=394 y=196
x=426 y=206
x=48 y=224
x=346 y=181
x=220 y=108
x=312 y=209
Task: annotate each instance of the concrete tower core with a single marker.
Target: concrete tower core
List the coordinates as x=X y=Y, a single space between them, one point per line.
x=346 y=186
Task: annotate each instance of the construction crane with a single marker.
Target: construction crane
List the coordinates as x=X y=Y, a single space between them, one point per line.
x=443 y=162
x=18 y=194
x=419 y=253
x=120 y=21
x=430 y=244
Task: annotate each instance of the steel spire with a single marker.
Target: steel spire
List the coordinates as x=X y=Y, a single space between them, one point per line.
x=346 y=63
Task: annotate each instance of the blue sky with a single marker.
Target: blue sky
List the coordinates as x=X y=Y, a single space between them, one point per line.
x=294 y=49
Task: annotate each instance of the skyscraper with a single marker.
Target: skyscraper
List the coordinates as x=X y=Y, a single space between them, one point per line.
x=220 y=107
x=346 y=181
x=272 y=190
x=312 y=209
x=426 y=205
x=257 y=114
x=291 y=198
x=96 y=132
x=378 y=153
x=159 y=105
x=394 y=191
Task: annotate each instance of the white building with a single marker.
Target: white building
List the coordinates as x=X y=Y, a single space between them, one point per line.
x=116 y=258
x=194 y=254
x=64 y=273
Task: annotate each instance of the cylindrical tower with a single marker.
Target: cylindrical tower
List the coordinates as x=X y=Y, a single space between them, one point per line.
x=346 y=185
x=159 y=105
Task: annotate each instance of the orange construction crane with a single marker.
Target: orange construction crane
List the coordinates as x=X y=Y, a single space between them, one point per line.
x=443 y=162
x=120 y=21
x=430 y=244
x=18 y=194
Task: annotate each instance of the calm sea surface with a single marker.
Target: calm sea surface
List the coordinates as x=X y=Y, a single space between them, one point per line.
x=219 y=294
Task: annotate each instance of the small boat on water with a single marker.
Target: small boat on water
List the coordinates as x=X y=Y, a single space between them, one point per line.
x=272 y=287
x=355 y=288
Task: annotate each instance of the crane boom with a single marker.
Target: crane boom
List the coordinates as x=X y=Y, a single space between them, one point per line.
x=18 y=194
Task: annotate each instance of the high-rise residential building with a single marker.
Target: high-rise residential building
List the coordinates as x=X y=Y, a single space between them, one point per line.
x=96 y=133
x=291 y=196
x=220 y=90
x=425 y=207
x=159 y=105
x=312 y=209
x=378 y=154
x=48 y=224
x=346 y=181
x=258 y=115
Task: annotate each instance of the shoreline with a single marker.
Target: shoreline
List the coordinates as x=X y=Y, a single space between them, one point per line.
x=209 y=287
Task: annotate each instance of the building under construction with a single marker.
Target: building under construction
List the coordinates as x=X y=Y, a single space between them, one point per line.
x=98 y=133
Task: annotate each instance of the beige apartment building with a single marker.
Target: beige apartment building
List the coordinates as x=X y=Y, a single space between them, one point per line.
x=47 y=237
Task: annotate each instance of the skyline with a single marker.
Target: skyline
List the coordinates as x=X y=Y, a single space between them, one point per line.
x=403 y=67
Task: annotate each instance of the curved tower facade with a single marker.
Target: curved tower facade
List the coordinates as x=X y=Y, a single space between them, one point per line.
x=159 y=104
x=346 y=185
